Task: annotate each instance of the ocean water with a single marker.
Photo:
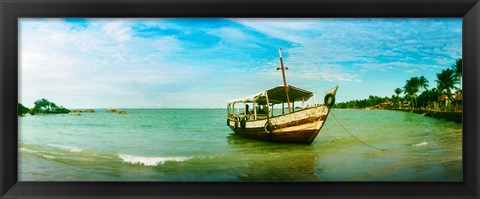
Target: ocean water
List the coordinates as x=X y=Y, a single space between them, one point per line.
x=196 y=145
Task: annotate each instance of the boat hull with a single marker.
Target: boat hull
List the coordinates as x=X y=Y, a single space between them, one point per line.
x=300 y=126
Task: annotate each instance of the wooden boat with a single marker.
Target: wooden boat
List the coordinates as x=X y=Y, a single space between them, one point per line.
x=262 y=123
x=297 y=126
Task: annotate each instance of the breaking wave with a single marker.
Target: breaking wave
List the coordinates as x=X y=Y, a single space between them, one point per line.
x=48 y=156
x=421 y=144
x=150 y=161
x=27 y=150
x=74 y=155
x=70 y=148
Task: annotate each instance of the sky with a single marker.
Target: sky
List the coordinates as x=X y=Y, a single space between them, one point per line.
x=204 y=62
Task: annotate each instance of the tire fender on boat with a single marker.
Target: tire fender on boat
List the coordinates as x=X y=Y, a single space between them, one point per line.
x=268 y=127
x=329 y=100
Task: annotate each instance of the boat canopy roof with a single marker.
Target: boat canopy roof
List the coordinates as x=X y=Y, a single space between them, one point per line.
x=276 y=95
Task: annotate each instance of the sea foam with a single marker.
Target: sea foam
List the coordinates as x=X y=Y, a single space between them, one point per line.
x=70 y=148
x=421 y=144
x=28 y=150
x=149 y=161
x=48 y=156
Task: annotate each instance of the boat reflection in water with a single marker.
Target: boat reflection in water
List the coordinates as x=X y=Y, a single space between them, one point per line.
x=267 y=161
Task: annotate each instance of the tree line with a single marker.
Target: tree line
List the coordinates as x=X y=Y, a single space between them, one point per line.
x=416 y=91
x=42 y=106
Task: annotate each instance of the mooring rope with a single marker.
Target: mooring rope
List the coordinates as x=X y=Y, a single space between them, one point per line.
x=346 y=130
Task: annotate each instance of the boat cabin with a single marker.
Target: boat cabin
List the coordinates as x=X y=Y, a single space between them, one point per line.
x=261 y=105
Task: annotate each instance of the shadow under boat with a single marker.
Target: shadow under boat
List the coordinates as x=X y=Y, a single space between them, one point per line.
x=275 y=162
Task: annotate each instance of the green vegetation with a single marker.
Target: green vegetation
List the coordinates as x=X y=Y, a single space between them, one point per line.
x=458 y=69
x=428 y=97
x=411 y=89
x=42 y=106
x=397 y=99
x=417 y=95
x=371 y=101
x=446 y=81
x=22 y=110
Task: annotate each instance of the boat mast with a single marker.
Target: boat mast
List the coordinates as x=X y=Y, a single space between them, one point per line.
x=284 y=80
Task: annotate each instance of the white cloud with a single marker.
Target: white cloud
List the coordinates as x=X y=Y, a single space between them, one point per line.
x=412 y=71
x=280 y=28
x=105 y=59
x=117 y=29
x=229 y=34
x=323 y=42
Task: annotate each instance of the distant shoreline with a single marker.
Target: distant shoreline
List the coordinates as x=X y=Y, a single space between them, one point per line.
x=456 y=117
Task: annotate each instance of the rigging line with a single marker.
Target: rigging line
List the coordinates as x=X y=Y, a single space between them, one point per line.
x=346 y=130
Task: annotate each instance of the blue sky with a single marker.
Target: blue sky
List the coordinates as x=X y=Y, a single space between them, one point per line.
x=203 y=62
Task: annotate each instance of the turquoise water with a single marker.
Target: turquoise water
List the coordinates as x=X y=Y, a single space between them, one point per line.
x=196 y=145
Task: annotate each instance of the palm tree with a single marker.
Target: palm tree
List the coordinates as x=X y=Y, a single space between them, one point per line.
x=458 y=69
x=446 y=81
x=411 y=89
x=433 y=96
x=397 y=92
x=427 y=98
x=422 y=83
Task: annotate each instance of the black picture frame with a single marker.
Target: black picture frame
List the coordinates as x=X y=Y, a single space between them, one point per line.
x=11 y=10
